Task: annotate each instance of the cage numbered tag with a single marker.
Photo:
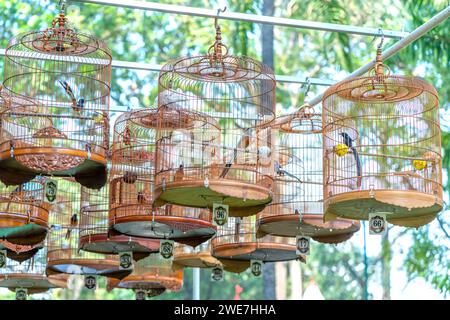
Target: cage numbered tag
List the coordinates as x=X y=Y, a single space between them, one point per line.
x=90 y=282
x=50 y=190
x=126 y=261
x=3 y=258
x=166 y=249
x=21 y=294
x=377 y=223
x=256 y=267
x=217 y=274
x=140 y=294
x=220 y=214
x=302 y=245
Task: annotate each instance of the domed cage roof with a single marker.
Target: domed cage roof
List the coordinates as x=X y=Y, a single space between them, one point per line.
x=393 y=162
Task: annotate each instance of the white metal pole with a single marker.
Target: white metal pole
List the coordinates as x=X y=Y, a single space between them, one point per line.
x=195 y=283
x=414 y=35
x=283 y=22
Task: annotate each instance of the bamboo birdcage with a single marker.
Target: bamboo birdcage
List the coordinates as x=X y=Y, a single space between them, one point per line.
x=297 y=207
x=95 y=234
x=24 y=213
x=31 y=275
x=132 y=180
x=58 y=123
x=237 y=243
x=154 y=274
x=392 y=163
x=64 y=255
x=239 y=94
x=199 y=257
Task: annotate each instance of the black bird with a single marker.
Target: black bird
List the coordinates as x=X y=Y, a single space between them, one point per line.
x=76 y=105
x=348 y=141
x=73 y=224
x=281 y=172
x=243 y=143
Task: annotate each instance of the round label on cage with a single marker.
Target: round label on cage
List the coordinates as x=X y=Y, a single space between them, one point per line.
x=90 y=282
x=220 y=214
x=21 y=294
x=256 y=267
x=302 y=245
x=125 y=261
x=140 y=294
x=166 y=249
x=377 y=223
x=3 y=258
x=217 y=274
x=51 y=188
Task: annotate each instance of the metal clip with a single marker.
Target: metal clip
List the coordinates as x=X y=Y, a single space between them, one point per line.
x=88 y=149
x=206 y=182
x=372 y=191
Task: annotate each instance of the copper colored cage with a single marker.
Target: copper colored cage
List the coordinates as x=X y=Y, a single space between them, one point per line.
x=388 y=128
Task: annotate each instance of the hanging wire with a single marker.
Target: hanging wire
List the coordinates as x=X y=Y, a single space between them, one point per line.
x=216 y=19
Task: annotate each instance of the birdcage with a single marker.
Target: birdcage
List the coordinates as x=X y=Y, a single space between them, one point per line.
x=236 y=244
x=30 y=274
x=59 y=124
x=132 y=179
x=64 y=255
x=199 y=257
x=24 y=213
x=239 y=94
x=19 y=252
x=297 y=206
x=392 y=163
x=154 y=274
x=95 y=234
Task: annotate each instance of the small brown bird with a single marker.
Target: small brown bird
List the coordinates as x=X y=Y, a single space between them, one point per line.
x=180 y=173
x=141 y=197
x=129 y=177
x=73 y=224
x=127 y=136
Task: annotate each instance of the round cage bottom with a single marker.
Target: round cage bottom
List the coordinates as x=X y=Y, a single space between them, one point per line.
x=22 y=230
x=102 y=267
x=148 y=282
x=35 y=283
x=402 y=208
x=184 y=230
x=244 y=199
x=113 y=244
x=19 y=253
x=311 y=225
x=89 y=169
x=202 y=259
x=264 y=251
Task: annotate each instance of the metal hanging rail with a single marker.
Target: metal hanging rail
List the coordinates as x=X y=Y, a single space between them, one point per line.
x=282 y=22
x=413 y=36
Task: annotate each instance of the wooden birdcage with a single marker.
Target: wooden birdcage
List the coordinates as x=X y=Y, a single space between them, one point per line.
x=24 y=213
x=153 y=274
x=132 y=180
x=239 y=94
x=95 y=234
x=199 y=257
x=297 y=207
x=64 y=254
x=30 y=274
x=236 y=244
x=392 y=163
x=59 y=80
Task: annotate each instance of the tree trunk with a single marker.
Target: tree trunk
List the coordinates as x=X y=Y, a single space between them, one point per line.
x=280 y=280
x=386 y=254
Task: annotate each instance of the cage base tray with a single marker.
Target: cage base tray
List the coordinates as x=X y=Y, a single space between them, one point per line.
x=312 y=225
x=21 y=232
x=181 y=229
x=195 y=260
x=404 y=208
x=266 y=252
x=34 y=283
x=101 y=267
x=101 y=243
x=243 y=199
x=90 y=173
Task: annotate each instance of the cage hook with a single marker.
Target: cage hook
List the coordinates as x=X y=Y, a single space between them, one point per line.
x=216 y=19
x=62 y=5
x=306 y=85
x=380 y=31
